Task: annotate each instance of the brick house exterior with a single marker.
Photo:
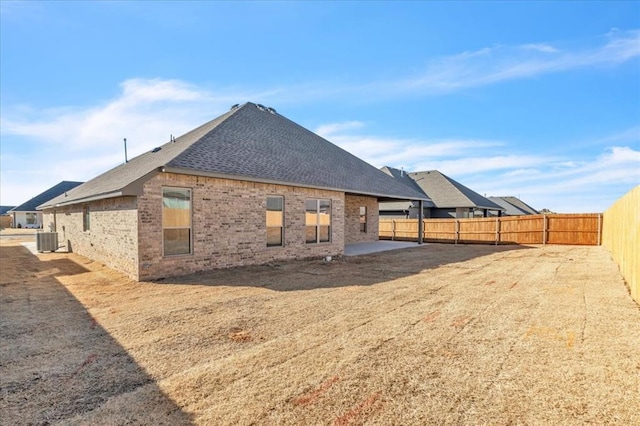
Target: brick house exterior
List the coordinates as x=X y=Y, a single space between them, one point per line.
x=193 y=205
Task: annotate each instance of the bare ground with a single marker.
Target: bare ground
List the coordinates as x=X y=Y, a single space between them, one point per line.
x=438 y=334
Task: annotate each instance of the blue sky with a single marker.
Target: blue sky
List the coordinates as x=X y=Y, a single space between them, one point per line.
x=535 y=99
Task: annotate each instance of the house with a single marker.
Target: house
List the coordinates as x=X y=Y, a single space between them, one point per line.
x=26 y=216
x=513 y=206
x=248 y=187
x=447 y=197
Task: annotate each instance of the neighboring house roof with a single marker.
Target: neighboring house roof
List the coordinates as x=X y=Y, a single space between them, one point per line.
x=509 y=209
x=5 y=209
x=253 y=143
x=404 y=177
x=445 y=192
x=515 y=203
x=32 y=204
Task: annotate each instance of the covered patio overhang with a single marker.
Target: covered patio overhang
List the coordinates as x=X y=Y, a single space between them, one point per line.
x=421 y=204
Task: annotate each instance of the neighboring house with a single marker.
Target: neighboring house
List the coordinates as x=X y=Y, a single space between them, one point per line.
x=248 y=187
x=26 y=216
x=5 y=217
x=448 y=198
x=513 y=206
x=403 y=209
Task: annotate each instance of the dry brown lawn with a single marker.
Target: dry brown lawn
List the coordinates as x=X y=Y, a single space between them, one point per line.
x=438 y=334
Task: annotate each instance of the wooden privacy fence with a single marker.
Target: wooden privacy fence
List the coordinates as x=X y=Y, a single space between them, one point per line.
x=5 y=221
x=621 y=236
x=584 y=229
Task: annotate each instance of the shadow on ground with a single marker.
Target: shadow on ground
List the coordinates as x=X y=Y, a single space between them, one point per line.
x=56 y=362
x=362 y=270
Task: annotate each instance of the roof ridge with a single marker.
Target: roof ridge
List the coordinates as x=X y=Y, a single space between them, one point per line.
x=248 y=142
x=136 y=166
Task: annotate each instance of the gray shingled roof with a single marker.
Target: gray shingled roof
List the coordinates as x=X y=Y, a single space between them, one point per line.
x=509 y=209
x=32 y=204
x=5 y=209
x=403 y=177
x=520 y=204
x=514 y=206
x=249 y=143
x=448 y=193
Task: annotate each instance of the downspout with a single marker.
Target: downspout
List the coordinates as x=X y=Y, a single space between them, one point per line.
x=420 y=221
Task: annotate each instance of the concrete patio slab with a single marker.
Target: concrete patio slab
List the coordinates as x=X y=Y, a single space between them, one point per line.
x=357 y=249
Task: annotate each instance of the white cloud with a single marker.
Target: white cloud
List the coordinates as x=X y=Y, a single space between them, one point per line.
x=146 y=113
x=470 y=165
x=327 y=130
x=522 y=172
x=502 y=63
x=631 y=135
x=382 y=151
x=587 y=186
x=540 y=47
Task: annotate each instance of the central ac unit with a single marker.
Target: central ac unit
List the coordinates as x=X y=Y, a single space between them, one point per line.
x=46 y=241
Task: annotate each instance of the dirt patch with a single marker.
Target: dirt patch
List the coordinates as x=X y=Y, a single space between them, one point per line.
x=439 y=334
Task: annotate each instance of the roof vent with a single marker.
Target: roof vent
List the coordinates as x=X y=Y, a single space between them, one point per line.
x=234 y=106
x=271 y=110
x=156 y=149
x=261 y=107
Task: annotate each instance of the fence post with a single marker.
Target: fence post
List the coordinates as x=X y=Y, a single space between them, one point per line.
x=457 y=230
x=393 y=230
x=599 y=227
x=420 y=221
x=497 y=230
x=544 y=229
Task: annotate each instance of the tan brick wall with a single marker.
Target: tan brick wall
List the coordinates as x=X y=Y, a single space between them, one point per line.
x=352 y=233
x=229 y=225
x=113 y=237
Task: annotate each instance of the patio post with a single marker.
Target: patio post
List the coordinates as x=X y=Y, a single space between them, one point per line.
x=420 y=221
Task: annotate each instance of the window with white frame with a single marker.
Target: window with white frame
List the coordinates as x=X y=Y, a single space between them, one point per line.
x=318 y=221
x=176 y=221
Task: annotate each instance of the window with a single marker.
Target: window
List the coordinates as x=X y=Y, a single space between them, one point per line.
x=363 y=219
x=275 y=221
x=318 y=221
x=31 y=218
x=176 y=221
x=86 y=219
